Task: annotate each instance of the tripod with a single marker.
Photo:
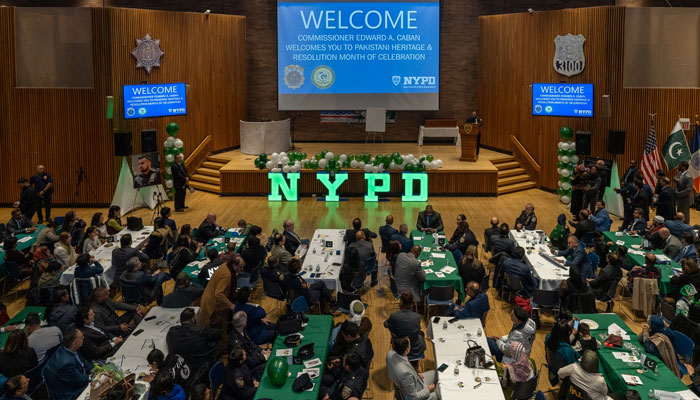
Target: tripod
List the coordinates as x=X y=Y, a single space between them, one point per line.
x=82 y=176
x=158 y=197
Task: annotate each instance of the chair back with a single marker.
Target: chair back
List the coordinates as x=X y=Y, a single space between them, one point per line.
x=334 y=335
x=594 y=259
x=255 y=272
x=441 y=293
x=612 y=290
x=13 y=270
x=35 y=378
x=81 y=289
x=554 y=363
x=546 y=298
x=539 y=395
x=131 y=293
x=217 y=373
x=525 y=390
x=684 y=345
x=457 y=254
x=398 y=393
x=343 y=301
x=668 y=311
x=153 y=249
x=243 y=280
x=512 y=283
x=484 y=285
x=300 y=305
x=483 y=318
x=359 y=277
x=273 y=289
x=392 y=286
x=572 y=391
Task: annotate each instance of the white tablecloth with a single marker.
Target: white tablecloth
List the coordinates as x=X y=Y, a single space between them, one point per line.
x=103 y=254
x=550 y=275
x=450 y=345
x=265 y=137
x=324 y=257
x=131 y=356
x=439 y=132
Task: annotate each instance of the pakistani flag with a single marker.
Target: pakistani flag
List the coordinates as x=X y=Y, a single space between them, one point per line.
x=676 y=148
x=613 y=200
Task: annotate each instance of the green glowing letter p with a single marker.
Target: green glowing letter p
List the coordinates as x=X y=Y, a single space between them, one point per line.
x=278 y=182
x=372 y=187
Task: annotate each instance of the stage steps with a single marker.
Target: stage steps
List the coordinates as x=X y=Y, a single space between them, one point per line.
x=511 y=177
x=207 y=177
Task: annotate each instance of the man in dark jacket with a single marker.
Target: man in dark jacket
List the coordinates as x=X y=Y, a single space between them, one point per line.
x=123 y=253
x=256 y=357
x=184 y=295
x=585 y=226
x=402 y=237
x=181 y=179
x=253 y=255
x=106 y=317
x=20 y=224
x=149 y=284
x=195 y=343
x=292 y=240
x=208 y=229
x=576 y=255
x=351 y=234
x=98 y=344
x=527 y=219
x=489 y=232
x=517 y=267
x=28 y=199
x=406 y=323
x=67 y=373
x=609 y=275
x=351 y=339
x=429 y=221
x=475 y=307
x=386 y=232
x=666 y=202
x=502 y=243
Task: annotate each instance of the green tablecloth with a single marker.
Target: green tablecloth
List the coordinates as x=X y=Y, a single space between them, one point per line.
x=612 y=368
x=19 y=318
x=192 y=269
x=318 y=331
x=21 y=246
x=431 y=279
x=665 y=285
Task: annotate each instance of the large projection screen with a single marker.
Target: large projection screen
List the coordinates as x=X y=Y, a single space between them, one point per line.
x=348 y=55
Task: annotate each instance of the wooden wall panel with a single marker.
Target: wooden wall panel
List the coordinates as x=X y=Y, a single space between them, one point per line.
x=65 y=128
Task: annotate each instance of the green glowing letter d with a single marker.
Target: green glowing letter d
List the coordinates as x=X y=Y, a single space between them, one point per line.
x=278 y=182
x=372 y=187
x=408 y=178
x=332 y=187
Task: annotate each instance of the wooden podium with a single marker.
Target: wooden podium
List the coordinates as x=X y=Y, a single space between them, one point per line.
x=469 y=134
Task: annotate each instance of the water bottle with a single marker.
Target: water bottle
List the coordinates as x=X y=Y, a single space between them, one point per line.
x=650 y=394
x=456 y=369
x=444 y=325
x=479 y=333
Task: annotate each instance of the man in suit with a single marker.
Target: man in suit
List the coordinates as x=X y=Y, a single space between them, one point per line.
x=640 y=199
x=666 y=202
x=208 y=229
x=576 y=255
x=604 y=177
x=408 y=274
x=630 y=174
x=413 y=385
x=406 y=323
x=292 y=240
x=429 y=221
x=639 y=224
x=67 y=373
x=365 y=251
x=527 y=219
x=402 y=237
x=27 y=199
x=350 y=234
x=43 y=185
x=386 y=232
x=106 y=317
x=501 y=243
x=688 y=249
x=585 y=226
x=184 y=295
x=601 y=217
x=516 y=266
x=296 y=286
x=489 y=232
x=280 y=251
x=122 y=254
x=191 y=341
x=677 y=226
x=98 y=344
x=684 y=190
x=475 y=307
x=181 y=181
x=671 y=244
x=20 y=224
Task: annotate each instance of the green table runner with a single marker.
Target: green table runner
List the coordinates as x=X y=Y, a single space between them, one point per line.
x=318 y=331
x=192 y=269
x=665 y=285
x=431 y=279
x=19 y=319
x=613 y=368
x=21 y=246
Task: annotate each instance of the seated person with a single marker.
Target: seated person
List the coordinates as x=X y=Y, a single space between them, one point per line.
x=402 y=237
x=292 y=240
x=429 y=221
x=585 y=341
x=658 y=340
x=22 y=259
x=493 y=230
x=195 y=343
x=244 y=227
x=240 y=382
x=182 y=254
x=173 y=364
x=502 y=243
x=106 y=317
x=523 y=331
x=255 y=356
x=91 y=240
x=295 y=285
x=351 y=234
x=259 y=329
x=254 y=254
x=208 y=229
x=678 y=226
x=408 y=274
x=527 y=219
x=518 y=370
x=348 y=383
x=516 y=266
x=558 y=342
x=184 y=295
x=386 y=232
x=461 y=239
x=20 y=224
x=670 y=245
x=97 y=343
x=407 y=323
x=413 y=385
x=351 y=339
x=470 y=267
x=586 y=376
x=149 y=284
x=279 y=250
x=114 y=220
x=690 y=274
x=475 y=307
x=67 y=373
x=215 y=260
x=16 y=387
x=121 y=254
x=41 y=339
x=87 y=267
x=270 y=272
x=163 y=387
x=62 y=312
x=688 y=248
x=16 y=358
x=576 y=256
x=609 y=275
x=639 y=224
x=51 y=276
x=649 y=270
x=366 y=253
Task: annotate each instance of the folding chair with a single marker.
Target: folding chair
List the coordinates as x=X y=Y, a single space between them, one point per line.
x=610 y=299
x=438 y=296
x=668 y=311
x=525 y=390
x=217 y=374
x=512 y=285
x=546 y=300
x=300 y=305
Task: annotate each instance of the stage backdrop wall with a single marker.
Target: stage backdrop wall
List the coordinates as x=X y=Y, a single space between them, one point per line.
x=516 y=50
x=65 y=128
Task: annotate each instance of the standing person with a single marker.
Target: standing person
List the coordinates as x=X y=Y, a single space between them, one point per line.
x=27 y=199
x=666 y=200
x=181 y=181
x=43 y=185
x=684 y=190
x=216 y=300
x=592 y=189
x=604 y=177
x=578 y=189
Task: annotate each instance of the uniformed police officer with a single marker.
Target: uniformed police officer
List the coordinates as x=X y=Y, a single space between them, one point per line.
x=350 y=381
x=351 y=339
x=527 y=219
x=240 y=382
x=255 y=356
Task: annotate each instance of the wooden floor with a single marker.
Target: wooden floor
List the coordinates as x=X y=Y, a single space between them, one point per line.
x=310 y=215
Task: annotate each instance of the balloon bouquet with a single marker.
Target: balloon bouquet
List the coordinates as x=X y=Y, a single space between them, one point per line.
x=567 y=161
x=327 y=161
x=172 y=147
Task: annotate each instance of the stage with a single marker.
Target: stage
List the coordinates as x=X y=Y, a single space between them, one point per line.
x=240 y=177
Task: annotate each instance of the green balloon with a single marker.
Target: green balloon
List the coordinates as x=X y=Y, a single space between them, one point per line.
x=277 y=371
x=561 y=152
x=564 y=179
x=170 y=192
x=336 y=157
x=387 y=162
x=561 y=165
x=336 y=168
x=366 y=157
x=314 y=164
x=410 y=168
x=169 y=163
x=168 y=176
x=421 y=159
x=566 y=133
x=398 y=160
x=395 y=154
x=560 y=191
x=263 y=156
x=571 y=153
x=172 y=129
x=350 y=157
x=331 y=163
x=430 y=158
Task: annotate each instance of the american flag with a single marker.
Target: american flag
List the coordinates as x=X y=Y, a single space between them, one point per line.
x=651 y=160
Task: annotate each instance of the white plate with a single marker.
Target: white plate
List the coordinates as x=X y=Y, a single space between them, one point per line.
x=591 y=324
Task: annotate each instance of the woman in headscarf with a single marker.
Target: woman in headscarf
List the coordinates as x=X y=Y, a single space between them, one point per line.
x=519 y=369
x=560 y=233
x=658 y=340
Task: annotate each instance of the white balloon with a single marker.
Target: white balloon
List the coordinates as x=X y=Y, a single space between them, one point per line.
x=361 y=164
x=283 y=154
x=368 y=167
x=559 y=158
x=565 y=159
x=285 y=168
x=269 y=164
x=168 y=170
x=375 y=169
x=573 y=159
x=380 y=168
x=179 y=143
x=559 y=171
x=170 y=141
x=329 y=156
x=565 y=146
x=392 y=165
x=275 y=158
x=169 y=158
x=284 y=160
x=559 y=182
x=322 y=163
x=343 y=158
x=274 y=155
x=353 y=164
x=168 y=183
x=572 y=146
x=565 y=172
x=565 y=185
x=565 y=199
x=559 y=144
x=439 y=163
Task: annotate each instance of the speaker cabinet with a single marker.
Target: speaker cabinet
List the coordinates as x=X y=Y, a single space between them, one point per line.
x=122 y=143
x=583 y=143
x=148 y=141
x=616 y=142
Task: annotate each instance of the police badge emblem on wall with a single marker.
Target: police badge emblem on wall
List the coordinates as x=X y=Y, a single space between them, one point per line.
x=147 y=53
x=568 y=57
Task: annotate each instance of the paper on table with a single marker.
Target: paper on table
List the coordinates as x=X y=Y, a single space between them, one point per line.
x=615 y=329
x=687 y=395
x=662 y=258
x=429 y=271
x=439 y=274
x=438 y=255
x=619 y=233
x=218 y=240
x=426 y=263
x=636 y=252
x=417 y=238
x=25 y=239
x=632 y=379
x=284 y=352
x=426 y=249
x=664 y=395
x=447 y=269
x=313 y=372
x=620 y=243
x=312 y=363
